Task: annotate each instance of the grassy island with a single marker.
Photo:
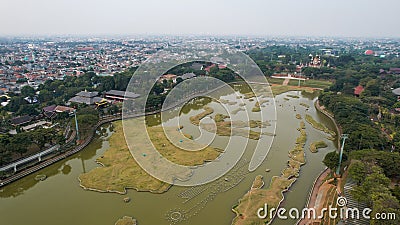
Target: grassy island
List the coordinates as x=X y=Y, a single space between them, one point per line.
x=126 y=220
x=292 y=96
x=257 y=105
x=249 y=95
x=316 y=145
x=225 y=128
x=319 y=126
x=305 y=105
x=224 y=101
x=220 y=117
x=195 y=120
x=119 y=169
x=229 y=128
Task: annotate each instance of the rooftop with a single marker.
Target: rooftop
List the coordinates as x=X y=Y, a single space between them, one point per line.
x=61 y=108
x=86 y=100
x=126 y=94
x=358 y=90
x=87 y=94
x=188 y=76
x=21 y=120
x=50 y=108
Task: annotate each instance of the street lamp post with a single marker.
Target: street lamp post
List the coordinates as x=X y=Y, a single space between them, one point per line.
x=344 y=137
x=76 y=126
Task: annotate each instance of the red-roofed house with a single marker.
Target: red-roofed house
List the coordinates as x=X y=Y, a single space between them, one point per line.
x=358 y=90
x=221 y=66
x=369 y=52
x=208 y=68
x=168 y=77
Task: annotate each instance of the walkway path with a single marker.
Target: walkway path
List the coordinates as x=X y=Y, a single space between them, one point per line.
x=311 y=203
x=286 y=82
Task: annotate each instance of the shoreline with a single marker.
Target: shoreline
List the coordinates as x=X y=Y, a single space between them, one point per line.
x=331 y=117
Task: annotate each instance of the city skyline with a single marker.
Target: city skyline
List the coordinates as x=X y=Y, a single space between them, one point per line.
x=154 y=17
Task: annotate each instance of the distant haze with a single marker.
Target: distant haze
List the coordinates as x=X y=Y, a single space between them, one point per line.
x=352 y=18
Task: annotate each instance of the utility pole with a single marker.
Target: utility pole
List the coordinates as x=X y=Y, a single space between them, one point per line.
x=76 y=126
x=344 y=137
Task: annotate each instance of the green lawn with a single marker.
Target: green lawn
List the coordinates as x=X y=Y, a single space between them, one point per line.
x=311 y=83
x=275 y=80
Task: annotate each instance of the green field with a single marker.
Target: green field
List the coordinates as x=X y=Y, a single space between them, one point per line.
x=275 y=80
x=322 y=84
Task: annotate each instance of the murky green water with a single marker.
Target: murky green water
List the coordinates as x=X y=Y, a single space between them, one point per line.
x=59 y=200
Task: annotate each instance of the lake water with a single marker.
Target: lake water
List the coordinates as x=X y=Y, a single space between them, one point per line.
x=59 y=200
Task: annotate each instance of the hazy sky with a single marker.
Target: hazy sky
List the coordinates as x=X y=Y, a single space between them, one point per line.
x=359 y=18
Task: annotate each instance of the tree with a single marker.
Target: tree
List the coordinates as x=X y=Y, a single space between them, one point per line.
x=357 y=171
x=373 y=88
x=158 y=89
x=45 y=96
x=15 y=104
x=396 y=105
x=3 y=99
x=107 y=83
x=388 y=161
x=113 y=109
x=331 y=160
x=179 y=80
x=121 y=80
x=27 y=110
x=5 y=153
x=27 y=91
x=20 y=143
x=165 y=82
x=385 y=203
x=396 y=141
x=214 y=70
x=41 y=136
